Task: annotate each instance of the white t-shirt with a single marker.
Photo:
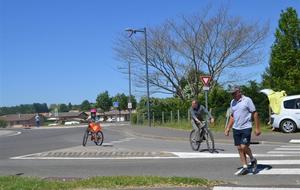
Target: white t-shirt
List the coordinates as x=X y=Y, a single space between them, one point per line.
x=242 y=112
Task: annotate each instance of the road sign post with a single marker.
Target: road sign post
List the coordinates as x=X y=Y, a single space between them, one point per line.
x=116 y=106
x=205 y=80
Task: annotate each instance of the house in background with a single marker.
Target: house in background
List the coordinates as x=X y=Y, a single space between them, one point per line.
x=21 y=120
x=115 y=115
x=67 y=116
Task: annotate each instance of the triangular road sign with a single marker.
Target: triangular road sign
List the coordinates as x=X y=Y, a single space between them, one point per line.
x=205 y=80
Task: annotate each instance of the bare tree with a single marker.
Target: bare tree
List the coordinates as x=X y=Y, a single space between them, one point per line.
x=179 y=51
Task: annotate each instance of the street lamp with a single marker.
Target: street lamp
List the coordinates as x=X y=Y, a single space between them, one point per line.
x=129 y=99
x=134 y=31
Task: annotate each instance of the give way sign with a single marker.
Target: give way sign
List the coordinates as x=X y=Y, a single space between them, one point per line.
x=205 y=80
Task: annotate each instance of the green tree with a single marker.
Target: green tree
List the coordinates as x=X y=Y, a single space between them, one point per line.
x=122 y=99
x=40 y=108
x=85 y=106
x=260 y=100
x=284 y=67
x=70 y=106
x=133 y=101
x=218 y=100
x=3 y=124
x=63 y=108
x=103 y=101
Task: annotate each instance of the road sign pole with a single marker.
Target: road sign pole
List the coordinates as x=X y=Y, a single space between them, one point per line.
x=206 y=103
x=205 y=80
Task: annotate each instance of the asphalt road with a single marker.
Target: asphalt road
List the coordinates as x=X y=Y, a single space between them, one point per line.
x=145 y=151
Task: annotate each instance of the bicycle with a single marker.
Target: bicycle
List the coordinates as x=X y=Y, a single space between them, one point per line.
x=95 y=131
x=204 y=135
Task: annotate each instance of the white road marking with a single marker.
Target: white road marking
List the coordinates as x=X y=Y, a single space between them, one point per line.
x=279 y=162
x=295 y=141
x=219 y=155
x=14 y=134
x=285 y=152
x=204 y=155
x=287 y=148
x=177 y=155
x=91 y=158
x=252 y=188
x=122 y=140
x=9 y=133
x=280 y=171
x=290 y=146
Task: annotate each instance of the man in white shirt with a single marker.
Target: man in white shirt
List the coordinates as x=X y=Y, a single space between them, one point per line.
x=243 y=112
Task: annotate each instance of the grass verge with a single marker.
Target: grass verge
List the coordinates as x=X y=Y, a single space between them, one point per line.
x=113 y=182
x=218 y=126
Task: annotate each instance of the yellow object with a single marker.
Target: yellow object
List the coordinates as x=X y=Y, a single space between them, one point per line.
x=275 y=99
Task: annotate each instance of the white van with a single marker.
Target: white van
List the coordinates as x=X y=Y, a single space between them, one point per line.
x=288 y=119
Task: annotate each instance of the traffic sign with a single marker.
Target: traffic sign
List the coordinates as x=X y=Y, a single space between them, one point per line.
x=205 y=80
x=205 y=88
x=129 y=105
x=116 y=104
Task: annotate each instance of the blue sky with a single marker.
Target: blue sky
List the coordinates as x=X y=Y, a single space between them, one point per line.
x=60 y=51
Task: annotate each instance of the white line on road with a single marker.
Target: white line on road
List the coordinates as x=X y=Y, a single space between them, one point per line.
x=281 y=171
x=220 y=155
x=91 y=158
x=15 y=134
x=285 y=152
x=9 y=133
x=252 y=188
x=204 y=155
x=122 y=140
x=279 y=162
x=176 y=155
x=295 y=141
x=290 y=148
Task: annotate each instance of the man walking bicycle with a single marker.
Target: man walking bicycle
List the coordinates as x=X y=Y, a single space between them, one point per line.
x=243 y=112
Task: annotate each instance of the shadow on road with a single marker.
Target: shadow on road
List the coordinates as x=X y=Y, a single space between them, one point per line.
x=217 y=150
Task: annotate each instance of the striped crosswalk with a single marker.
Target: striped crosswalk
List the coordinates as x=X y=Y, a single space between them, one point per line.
x=289 y=166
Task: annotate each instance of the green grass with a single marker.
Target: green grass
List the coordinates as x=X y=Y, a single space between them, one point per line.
x=113 y=182
x=218 y=126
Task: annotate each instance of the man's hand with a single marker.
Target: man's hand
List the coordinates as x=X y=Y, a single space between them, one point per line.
x=257 y=132
x=226 y=132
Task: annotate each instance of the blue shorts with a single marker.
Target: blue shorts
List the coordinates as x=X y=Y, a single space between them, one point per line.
x=242 y=136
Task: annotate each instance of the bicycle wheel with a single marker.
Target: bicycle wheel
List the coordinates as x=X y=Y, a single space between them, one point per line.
x=85 y=137
x=194 y=144
x=99 y=138
x=209 y=138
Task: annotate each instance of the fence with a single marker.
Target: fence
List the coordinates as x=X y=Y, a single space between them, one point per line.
x=163 y=117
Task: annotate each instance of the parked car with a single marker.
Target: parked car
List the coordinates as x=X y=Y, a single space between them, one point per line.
x=72 y=123
x=288 y=119
x=53 y=124
x=111 y=120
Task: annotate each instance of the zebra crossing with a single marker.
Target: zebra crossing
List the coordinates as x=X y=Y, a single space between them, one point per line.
x=290 y=166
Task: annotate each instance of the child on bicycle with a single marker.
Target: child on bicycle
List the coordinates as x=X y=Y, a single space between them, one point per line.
x=93 y=118
x=198 y=114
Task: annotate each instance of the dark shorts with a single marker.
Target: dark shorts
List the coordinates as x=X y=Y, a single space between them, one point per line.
x=242 y=136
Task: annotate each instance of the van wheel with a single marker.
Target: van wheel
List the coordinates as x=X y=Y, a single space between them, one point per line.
x=288 y=126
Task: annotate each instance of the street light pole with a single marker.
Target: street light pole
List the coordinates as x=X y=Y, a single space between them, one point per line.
x=133 y=31
x=129 y=99
x=147 y=77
